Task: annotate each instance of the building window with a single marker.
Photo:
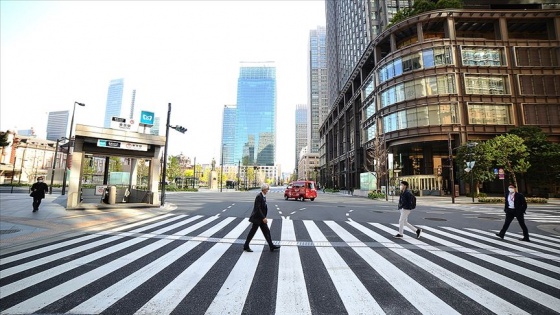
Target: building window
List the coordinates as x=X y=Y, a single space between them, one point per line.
x=370 y=110
x=539 y=84
x=427 y=58
x=536 y=56
x=541 y=114
x=428 y=86
x=430 y=115
x=487 y=85
x=482 y=56
x=369 y=87
x=490 y=114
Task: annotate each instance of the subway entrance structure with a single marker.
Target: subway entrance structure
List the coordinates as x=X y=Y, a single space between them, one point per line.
x=103 y=143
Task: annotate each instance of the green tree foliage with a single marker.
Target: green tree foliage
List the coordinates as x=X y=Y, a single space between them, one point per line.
x=449 y=4
x=87 y=167
x=4 y=139
x=115 y=164
x=481 y=155
x=173 y=169
x=421 y=6
x=509 y=151
x=142 y=170
x=544 y=156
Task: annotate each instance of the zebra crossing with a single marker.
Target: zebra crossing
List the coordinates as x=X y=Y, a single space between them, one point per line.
x=181 y=264
x=543 y=216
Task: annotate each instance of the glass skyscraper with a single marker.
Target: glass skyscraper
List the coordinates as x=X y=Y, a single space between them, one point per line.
x=255 y=132
x=57 y=124
x=228 y=134
x=318 y=87
x=351 y=26
x=114 y=101
x=301 y=130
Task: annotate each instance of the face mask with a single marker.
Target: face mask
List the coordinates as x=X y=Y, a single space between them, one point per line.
x=40 y=180
x=512 y=190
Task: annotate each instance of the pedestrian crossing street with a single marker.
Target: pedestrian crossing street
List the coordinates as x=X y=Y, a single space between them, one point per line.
x=543 y=216
x=180 y=264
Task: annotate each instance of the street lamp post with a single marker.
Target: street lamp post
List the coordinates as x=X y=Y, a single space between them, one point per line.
x=470 y=166
x=255 y=168
x=222 y=168
x=181 y=129
x=69 y=144
x=54 y=162
x=451 y=168
x=238 y=174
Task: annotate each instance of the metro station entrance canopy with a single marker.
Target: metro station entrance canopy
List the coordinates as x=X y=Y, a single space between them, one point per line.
x=135 y=146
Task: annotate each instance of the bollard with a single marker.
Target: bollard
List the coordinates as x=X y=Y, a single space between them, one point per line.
x=112 y=195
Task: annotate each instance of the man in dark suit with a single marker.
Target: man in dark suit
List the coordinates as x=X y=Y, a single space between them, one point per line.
x=38 y=191
x=515 y=206
x=258 y=218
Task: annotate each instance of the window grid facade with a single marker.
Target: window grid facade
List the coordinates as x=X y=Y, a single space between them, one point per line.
x=473 y=89
x=255 y=132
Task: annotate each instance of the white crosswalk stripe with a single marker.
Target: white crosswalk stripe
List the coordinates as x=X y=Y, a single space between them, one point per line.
x=158 y=263
x=354 y=294
x=290 y=299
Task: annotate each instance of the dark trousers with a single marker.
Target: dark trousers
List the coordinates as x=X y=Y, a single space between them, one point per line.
x=36 y=203
x=265 y=231
x=520 y=219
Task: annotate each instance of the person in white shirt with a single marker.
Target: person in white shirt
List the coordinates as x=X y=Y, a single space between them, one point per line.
x=515 y=207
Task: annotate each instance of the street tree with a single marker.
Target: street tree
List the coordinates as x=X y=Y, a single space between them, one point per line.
x=4 y=139
x=142 y=170
x=482 y=170
x=173 y=169
x=115 y=164
x=544 y=157
x=509 y=151
x=376 y=159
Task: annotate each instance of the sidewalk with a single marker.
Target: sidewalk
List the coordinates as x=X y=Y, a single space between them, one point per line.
x=448 y=201
x=20 y=226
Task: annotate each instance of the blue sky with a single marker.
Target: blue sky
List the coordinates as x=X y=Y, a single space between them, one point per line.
x=187 y=53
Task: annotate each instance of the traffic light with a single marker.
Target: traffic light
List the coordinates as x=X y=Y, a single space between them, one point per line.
x=181 y=129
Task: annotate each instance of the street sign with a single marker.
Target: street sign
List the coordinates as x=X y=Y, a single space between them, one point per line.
x=501 y=173
x=146 y=118
x=122 y=145
x=99 y=190
x=121 y=123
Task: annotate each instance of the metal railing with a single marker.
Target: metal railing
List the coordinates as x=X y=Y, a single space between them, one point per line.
x=423 y=182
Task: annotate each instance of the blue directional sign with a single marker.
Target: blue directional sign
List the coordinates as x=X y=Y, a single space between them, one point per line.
x=146 y=118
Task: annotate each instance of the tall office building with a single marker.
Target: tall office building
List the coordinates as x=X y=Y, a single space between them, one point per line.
x=114 y=101
x=351 y=26
x=301 y=130
x=131 y=116
x=228 y=134
x=438 y=80
x=155 y=128
x=57 y=124
x=318 y=87
x=255 y=132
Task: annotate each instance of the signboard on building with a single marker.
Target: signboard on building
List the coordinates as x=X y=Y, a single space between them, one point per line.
x=122 y=123
x=146 y=118
x=122 y=145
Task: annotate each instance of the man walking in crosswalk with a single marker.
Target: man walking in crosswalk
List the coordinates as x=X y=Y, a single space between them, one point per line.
x=406 y=204
x=258 y=218
x=515 y=207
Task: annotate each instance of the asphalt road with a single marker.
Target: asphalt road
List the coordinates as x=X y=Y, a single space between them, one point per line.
x=338 y=256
